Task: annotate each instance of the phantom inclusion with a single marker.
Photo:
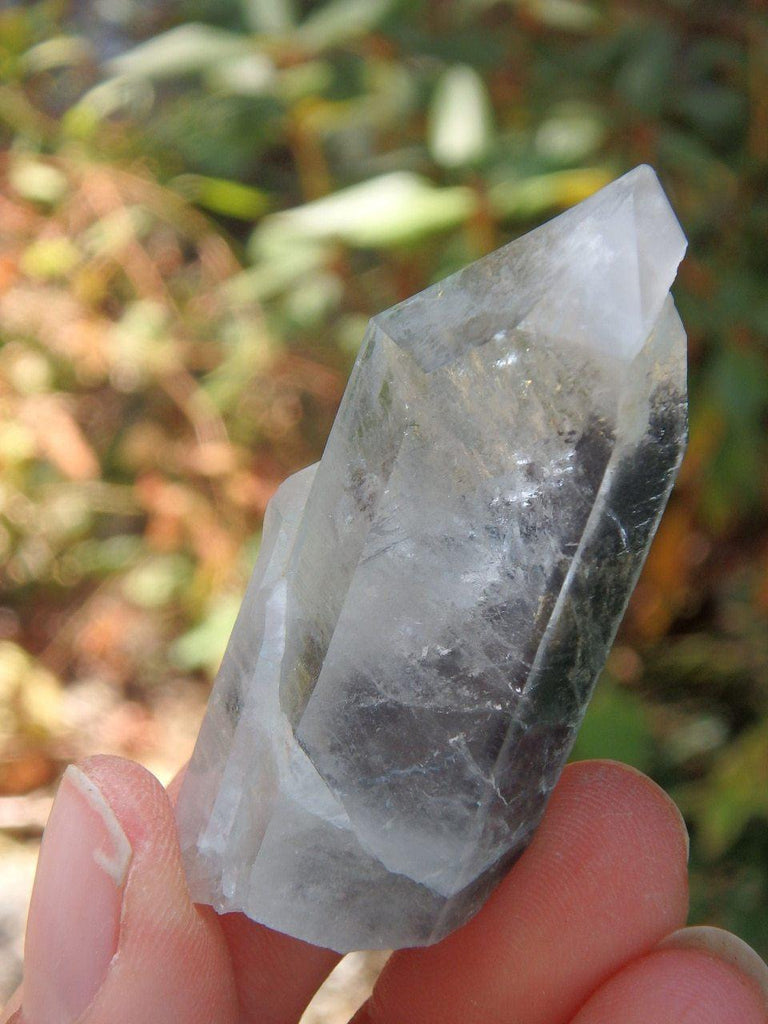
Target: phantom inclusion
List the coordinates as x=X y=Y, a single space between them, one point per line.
x=434 y=600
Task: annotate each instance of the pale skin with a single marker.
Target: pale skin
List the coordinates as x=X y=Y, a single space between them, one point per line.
x=587 y=928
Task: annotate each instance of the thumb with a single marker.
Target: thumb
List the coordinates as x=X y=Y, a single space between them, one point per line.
x=112 y=934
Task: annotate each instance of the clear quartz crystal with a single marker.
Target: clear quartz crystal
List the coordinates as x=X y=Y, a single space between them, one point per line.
x=433 y=601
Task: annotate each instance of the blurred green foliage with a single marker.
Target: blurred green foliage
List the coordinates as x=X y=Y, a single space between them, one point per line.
x=202 y=203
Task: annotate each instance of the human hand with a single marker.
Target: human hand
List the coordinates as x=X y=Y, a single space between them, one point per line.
x=586 y=928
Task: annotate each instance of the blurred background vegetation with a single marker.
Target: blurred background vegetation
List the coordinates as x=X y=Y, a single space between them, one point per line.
x=202 y=202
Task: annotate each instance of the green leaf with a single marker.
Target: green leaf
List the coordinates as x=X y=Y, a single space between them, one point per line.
x=57 y=52
x=644 y=78
x=250 y=75
x=203 y=647
x=185 y=50
x=50 y=258
x=229 y=198
x=393 y=209
x=37 y=181
x=687 y=154
x=531 y=197
x=313 y=299
x=269 y=16
x=101 y=557
x=460 y=121
x=716 y=111
x=616 y=726
x=572 y=132
x=153 y=582
x=480 y=47
x=308 y=79
x=119 y=95
x=563 y=15
x=338 y=21
x=218 y=135
x=17 y=444
x=278 y=266
x=739 y=379
x=735 y=792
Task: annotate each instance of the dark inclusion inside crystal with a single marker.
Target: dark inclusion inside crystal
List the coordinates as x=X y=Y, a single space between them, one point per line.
x=431 y=609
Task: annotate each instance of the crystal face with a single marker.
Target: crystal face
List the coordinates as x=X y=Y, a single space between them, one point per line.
x=434 y=600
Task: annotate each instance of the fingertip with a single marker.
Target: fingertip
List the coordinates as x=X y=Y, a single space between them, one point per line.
x=676 y=984
x=620 y=829
x=729 y=949
x=605 y=779
x=113 y=934
x=135 y=794
x=74 y=916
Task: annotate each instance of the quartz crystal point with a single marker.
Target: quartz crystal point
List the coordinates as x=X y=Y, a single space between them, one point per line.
x=433 y=601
